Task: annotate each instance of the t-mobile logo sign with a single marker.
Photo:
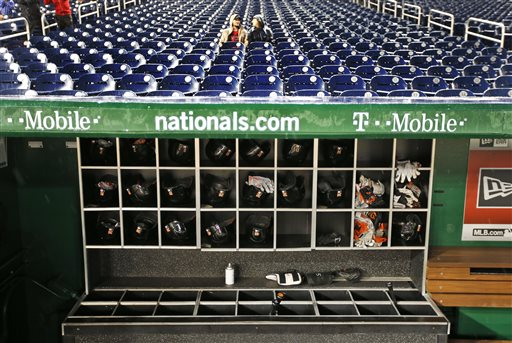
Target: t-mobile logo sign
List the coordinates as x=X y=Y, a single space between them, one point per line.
x=495 y=188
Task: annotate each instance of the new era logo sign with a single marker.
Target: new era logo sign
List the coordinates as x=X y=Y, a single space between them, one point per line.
x=495 y=188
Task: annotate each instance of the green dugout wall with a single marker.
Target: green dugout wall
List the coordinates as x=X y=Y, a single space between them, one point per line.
x=43 y=208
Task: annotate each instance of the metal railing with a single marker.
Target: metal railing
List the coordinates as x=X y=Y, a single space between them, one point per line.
x=129 y=2
x=432 y=21
x=412 y=12
x=391 y=9
x=89 y=5
x=500 y=26
x=45 y=25
x=17 y=34
x=374 y=4
x=107 y=8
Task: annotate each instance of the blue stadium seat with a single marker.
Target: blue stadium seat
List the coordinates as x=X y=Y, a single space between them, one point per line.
x=259 y=69
x=446 y=72
x=82 y=52
x=166 y=93
x=140 y=84
x=158 y=46
x=491 y=60
x=115 y=52
x=344 y=53
x=436 y=53
x=19 y=92
x=47 y=83
x=185 y=46
x=368 y=72
x=304 y=82
x=199 y=59
x=68 y=93
x=389 y=61
x=423 y=61
x=406 y=54
x=262 y=82
x=117 y=70
x=341 y=83
x=229 y=59
x=384 y=84
x=76 y=70
x=14 y=81
x=233 y=45
x=458 y=62
x=504 y=81
x=260 y=45
x=329 y=70
x=207 y=45
x=159 y=71
x=168 y=60
x=28 y=58
x=261 y=60
x=146 y=52
x=9 y=67
x=392 y=47
x=409 y=93
x=496 y=51
x=475 y=84
x=324 y=60
x=94 y=84
x=506 y=69
x=119 y=93
x=226 y=83
x=499 y=92
x=191 y=69
x=132 y=59
x=289 y=71
x=187 y=84
x=357 y=93
x=481 y=70
x=336 y=46
x=213 y=93
x=262 y=94
x=228 y=69
x=311 y=54
x=357 y=60
x=207 y=52
x=456 y=93
x=429 y=84
x=231 y=52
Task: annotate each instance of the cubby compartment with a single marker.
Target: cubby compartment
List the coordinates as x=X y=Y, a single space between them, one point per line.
x=294 y=189
x=94 y=310
x=412 y=194
x=374 y=153
x=254 y=309
x=174 y=310
x=256 y=229
x=100 y=188
x=295 y=295
x=177 y=189
x=137 y=152
x=332 y=295
x=258 y=153
x=176 y=152
x=171 y=296
x=102 y=228
x=336 y=153
x=255 y=296
x=218 y=296
x=371 y=229
x=140 y=228
x=361 y=295
x=333 y=229
x=408 y=295
x=296 y=310
x=293 y=230
x=408 y=228
x=98 y=152
x=178 y=228
x=334 y=189
x=416 y=310
x=103 y=296
x=141 y=296
x=134 y=310
x=217 y=152
x=295 y=153
x=257 y=188
x=336 y=310
x=372 y=189
x=216 y=310
x=218 y=188
x=376 y=310
x=415 y=150
x=218 y=229
x=139 y=188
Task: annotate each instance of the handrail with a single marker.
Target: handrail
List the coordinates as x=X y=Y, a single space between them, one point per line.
x=492 y=39
x=405 y=13
x=107 y=8
x=376 y=4
x=88 y=4
x=43 y=21
x=393 y=10
x=432 y=22
x=129 y=2
x=18 y=34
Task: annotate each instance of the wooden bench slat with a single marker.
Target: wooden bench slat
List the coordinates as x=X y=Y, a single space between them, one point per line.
x=472 y=300
x=463 y=273
x=469 y=287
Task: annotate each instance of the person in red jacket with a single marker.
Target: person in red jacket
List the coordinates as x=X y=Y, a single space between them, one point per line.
x=62 y=13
